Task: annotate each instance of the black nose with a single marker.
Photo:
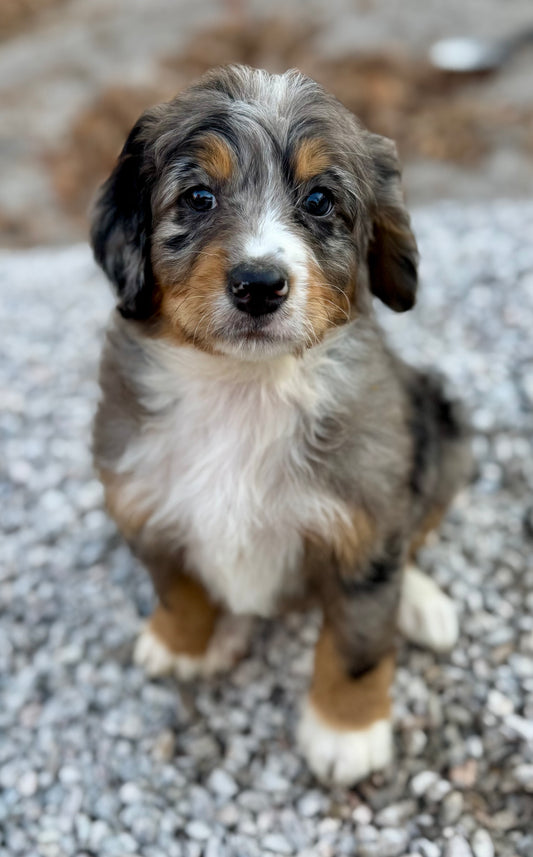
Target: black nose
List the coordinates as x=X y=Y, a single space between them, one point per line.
x=258 y=290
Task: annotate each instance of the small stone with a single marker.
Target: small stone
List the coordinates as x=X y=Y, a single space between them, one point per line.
x=482 y=844
x=130 y=793
x=520 y=726
x=499 y=704
x=99 y=830
x=422 y=782
x=222 y=784
x=214 y=848
x=465 y=774
x=145 y=829
x=123 y=845
x=198 y=830
x=505 y=819
x=277 y=843
x=395 y=814
x=329 y=826
x=367 y=833
x=311 y=804
x=83 y=827
x=131 y=727
x=415 y=742
x=368 y=849
x=426 y=848
x=164 y=745
x=438 y=790
x=393 y=842
x=362 y=814
x=273 y=782
x=229 y=815
x=69 y=775
x=523 y=774
x=28 y=784
x=458 y=847
x=451 y=808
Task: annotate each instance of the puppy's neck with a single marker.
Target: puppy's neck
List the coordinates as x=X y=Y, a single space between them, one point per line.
x=178 y=367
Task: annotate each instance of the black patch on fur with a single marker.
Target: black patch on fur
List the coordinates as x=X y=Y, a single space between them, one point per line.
x=178 y=242
x=392 y=252
x=121 y=228
x=409 y=268
x=433 y=418
x=380 y=571
x=359 y=672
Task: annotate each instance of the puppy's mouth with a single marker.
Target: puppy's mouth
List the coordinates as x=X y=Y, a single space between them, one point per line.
x=243 y=333
x=254 y=327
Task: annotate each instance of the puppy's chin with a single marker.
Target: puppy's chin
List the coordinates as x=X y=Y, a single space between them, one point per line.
x=261 y=338
x=257 y=349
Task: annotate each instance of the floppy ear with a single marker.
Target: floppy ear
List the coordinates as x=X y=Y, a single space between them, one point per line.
x=121 y=227
x=392 y=252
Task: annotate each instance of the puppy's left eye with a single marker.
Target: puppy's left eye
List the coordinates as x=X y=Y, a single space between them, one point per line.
x=318 y=203
x=200 y=198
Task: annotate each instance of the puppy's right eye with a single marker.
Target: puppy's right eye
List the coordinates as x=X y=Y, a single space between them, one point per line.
x=200 y=199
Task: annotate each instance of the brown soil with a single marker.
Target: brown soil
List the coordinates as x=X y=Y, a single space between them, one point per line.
x=430 y=114
x=17 y=15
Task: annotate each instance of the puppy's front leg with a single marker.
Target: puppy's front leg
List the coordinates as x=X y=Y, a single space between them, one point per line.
x=345 y=730
x=188 y=634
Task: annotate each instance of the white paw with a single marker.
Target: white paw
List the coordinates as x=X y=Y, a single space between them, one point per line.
x=343 y=757
x=427 y=616
x=228 y=644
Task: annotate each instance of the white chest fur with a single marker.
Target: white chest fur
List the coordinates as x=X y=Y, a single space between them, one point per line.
x=221 y=467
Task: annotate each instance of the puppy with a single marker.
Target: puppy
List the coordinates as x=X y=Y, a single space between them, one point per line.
x=257 y=441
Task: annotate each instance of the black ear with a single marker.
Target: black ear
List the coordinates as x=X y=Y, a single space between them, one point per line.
x=121 y=226
x=392 y=252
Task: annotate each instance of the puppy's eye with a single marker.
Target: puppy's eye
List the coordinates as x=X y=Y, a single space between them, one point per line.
x=318 y=203
x=200 y=199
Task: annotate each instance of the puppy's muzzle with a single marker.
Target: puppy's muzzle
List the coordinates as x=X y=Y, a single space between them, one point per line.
x=258 y=290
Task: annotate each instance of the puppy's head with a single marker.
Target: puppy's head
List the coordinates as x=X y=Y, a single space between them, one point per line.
x=252 y=214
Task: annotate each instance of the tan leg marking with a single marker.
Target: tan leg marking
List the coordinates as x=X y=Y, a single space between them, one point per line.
x=189 y=636
x=344 y=702
x=186 y=622
x=345 y=730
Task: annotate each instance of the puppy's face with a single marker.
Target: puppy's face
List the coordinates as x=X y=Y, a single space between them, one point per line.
x=251 y=215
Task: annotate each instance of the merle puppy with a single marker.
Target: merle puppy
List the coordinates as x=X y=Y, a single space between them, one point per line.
x=258 y=442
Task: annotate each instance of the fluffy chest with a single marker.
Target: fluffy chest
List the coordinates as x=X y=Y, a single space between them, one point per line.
x=223 y=468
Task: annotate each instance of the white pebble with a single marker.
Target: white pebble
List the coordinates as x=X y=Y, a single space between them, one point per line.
x=458 y=847
x=422 y=782
x=198 y=830
x=482 y=844
x=28 y=784
x=277 y=843
x=222 y=784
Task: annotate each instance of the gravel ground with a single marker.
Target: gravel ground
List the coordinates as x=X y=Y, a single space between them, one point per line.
x=96 y=760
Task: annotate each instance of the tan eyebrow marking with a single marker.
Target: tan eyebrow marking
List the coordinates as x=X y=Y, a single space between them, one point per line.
x=216 y=157
x=310 y=159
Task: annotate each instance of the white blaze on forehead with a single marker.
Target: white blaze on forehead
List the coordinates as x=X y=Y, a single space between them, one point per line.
x=274 y=239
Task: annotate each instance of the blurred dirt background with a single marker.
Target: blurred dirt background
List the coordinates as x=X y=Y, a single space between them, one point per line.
x=75 y=74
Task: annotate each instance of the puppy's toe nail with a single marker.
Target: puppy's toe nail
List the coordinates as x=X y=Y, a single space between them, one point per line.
x=427 y=616
x=343 y=757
